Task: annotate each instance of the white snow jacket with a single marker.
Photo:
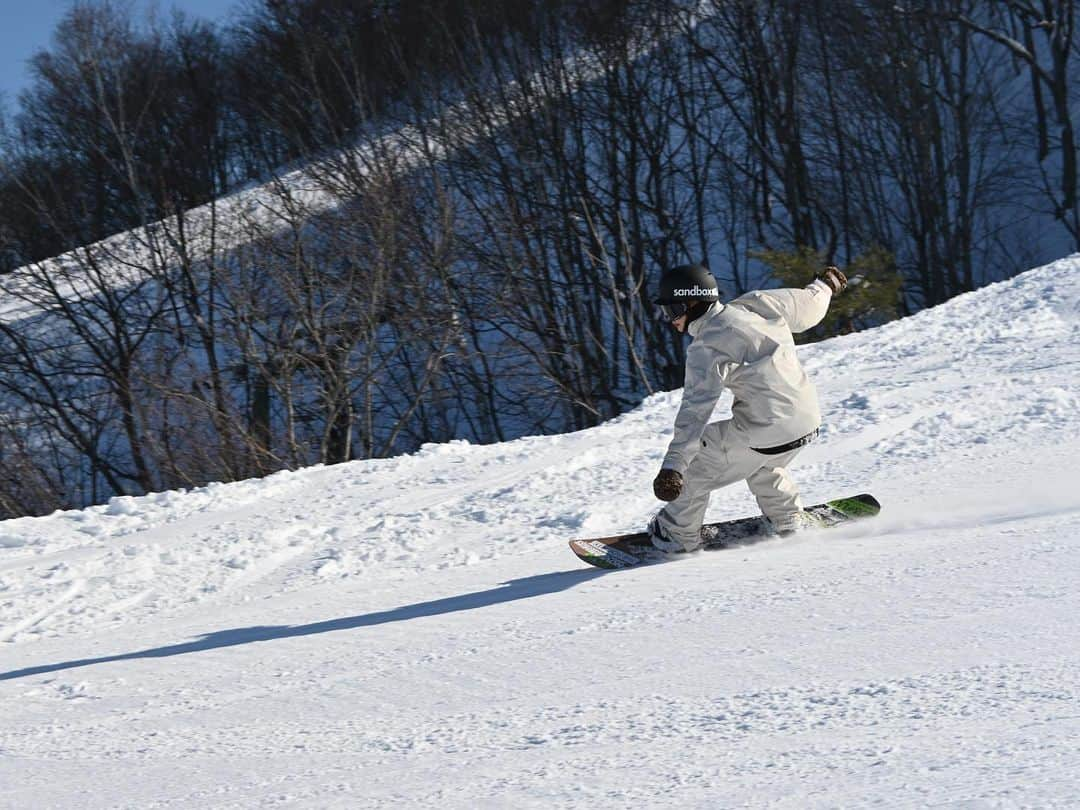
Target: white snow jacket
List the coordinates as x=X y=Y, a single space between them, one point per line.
x=747 y=346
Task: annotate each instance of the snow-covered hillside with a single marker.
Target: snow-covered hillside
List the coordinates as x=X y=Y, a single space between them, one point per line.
x=415 y=632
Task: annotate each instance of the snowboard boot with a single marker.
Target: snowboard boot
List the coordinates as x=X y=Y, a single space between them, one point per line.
x=793 y=523
x=663 y=543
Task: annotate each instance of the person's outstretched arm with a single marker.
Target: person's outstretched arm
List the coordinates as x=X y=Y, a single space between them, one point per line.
x=706 y=369
x=801 y=309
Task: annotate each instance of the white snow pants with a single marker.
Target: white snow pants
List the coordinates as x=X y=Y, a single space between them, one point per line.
x=723 y=459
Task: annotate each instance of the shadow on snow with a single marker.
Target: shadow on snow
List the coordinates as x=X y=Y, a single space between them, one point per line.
x=511 y=591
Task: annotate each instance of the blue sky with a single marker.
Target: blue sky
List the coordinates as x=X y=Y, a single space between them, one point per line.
x=26 y=27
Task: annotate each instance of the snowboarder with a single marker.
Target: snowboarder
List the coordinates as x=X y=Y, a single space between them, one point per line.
x=745 y=345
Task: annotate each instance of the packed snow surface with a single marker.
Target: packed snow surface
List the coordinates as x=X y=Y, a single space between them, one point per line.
x=415 y=632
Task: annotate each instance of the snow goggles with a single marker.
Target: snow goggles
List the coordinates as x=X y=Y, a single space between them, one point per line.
x=670 y=311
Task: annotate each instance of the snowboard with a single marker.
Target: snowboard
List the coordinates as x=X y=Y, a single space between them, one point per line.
x=628 y=550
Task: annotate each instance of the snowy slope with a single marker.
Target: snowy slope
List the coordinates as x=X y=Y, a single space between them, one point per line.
x=414 y=632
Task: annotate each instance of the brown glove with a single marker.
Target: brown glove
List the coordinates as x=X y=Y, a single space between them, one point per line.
x=832 y=276
x=667 y=485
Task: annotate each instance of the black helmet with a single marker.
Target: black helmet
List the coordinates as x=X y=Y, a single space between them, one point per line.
x=682 y=285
